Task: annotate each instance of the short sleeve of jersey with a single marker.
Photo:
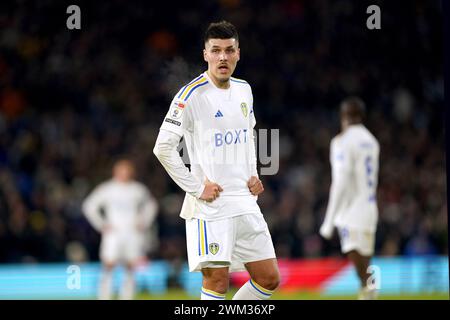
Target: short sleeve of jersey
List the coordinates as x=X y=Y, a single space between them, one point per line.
x=178 y=119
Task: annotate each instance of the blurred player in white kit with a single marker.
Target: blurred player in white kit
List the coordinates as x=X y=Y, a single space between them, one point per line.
x=352 y=206
x=129 y=212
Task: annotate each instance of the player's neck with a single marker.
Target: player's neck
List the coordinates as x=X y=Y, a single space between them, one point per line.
x=122 y=181
x=217 y=83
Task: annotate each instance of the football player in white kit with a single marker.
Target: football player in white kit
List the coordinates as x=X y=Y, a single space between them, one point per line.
x=129 y=212
x=352 y=206
x=225 y=229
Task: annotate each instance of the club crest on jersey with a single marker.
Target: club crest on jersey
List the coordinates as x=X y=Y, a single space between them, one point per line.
x=244 y=109
x=214 y=247
x=177 y=110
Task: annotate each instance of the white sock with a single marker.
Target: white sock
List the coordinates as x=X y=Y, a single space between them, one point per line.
x=211 y=295
x=127 y=290
x=105 y=288
x=252 y=291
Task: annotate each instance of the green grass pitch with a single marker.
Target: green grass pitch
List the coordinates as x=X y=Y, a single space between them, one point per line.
x=178 y=294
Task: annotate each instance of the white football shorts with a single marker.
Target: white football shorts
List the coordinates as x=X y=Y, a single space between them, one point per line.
x=122 y=246
x=231 y=242
x=355 y=239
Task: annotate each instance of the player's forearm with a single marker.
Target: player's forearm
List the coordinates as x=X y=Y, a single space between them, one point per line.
x=166 y=151
x=92 y=215
x=149 y=214
x=252 y=156
x=335 y=202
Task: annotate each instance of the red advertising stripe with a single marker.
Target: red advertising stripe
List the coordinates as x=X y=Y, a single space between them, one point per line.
x=304 y=274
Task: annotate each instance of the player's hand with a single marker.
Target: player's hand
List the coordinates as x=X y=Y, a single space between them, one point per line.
x=107 y=228
x=255 y=185
x=326 y=231
x=140 y=227
x=211 y=191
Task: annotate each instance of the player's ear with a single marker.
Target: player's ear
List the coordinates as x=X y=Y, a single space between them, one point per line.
x=204 y=55
x=238 y=54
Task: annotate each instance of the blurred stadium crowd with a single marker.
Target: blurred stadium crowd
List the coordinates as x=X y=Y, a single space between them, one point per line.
x=72 y=101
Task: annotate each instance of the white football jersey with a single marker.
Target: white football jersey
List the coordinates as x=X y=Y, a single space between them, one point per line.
x=125 y=205
x=354 y=157
x=217 y=125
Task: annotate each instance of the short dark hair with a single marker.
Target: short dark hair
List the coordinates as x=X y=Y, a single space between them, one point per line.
x=221 y=30
x=354 y=109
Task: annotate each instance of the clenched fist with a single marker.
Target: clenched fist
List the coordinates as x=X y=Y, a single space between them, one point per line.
x=255 y=185
x=211 y=191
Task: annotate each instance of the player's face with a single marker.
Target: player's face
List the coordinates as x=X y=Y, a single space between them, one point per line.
x=123 y=171
x=222 y=56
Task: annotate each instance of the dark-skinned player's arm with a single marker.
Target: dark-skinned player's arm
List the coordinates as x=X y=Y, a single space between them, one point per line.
x=341 y=166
